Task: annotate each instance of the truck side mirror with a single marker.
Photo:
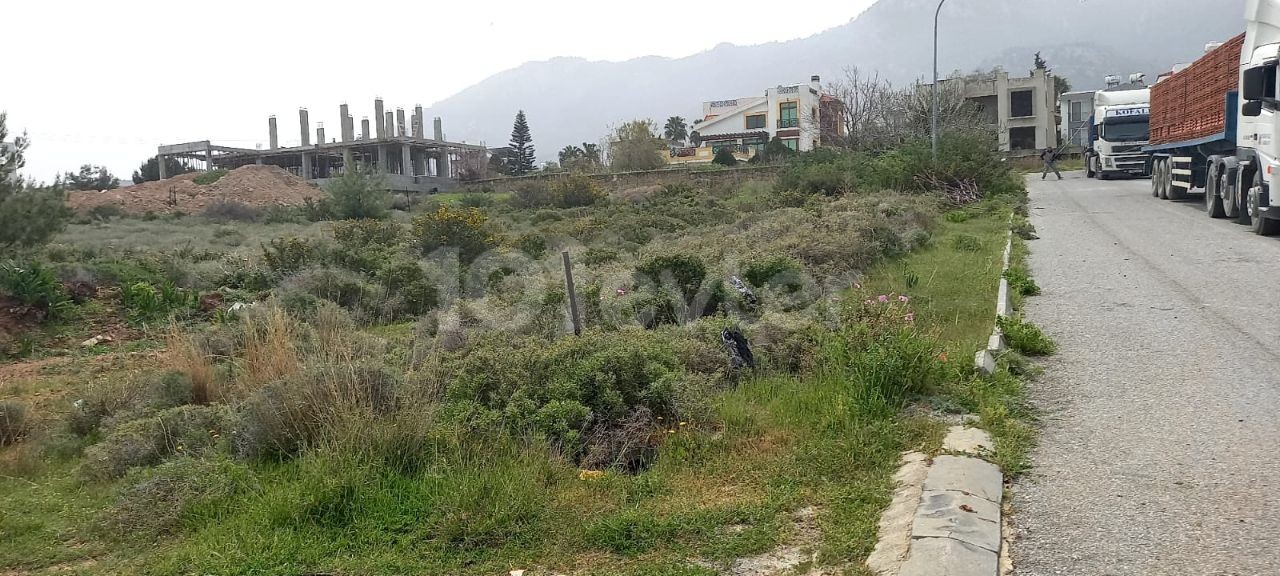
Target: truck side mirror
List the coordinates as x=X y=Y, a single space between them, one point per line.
x=1251 y=108
x=1258 y=83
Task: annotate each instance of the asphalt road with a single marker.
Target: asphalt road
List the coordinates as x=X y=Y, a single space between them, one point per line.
x=1160 y=444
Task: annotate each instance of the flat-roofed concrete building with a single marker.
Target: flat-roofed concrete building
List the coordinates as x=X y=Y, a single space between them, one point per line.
x=1022 y=110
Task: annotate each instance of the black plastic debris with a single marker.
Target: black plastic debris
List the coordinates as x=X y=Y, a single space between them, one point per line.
x=735 y=343
x=747 y=295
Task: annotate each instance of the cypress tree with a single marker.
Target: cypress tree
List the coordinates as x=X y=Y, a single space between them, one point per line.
x=522 y=155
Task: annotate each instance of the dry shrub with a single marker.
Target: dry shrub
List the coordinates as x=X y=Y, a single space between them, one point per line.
x=148 y=441
x=14 y=423
x=269 y=352
x=187 y=355
x=158 y=500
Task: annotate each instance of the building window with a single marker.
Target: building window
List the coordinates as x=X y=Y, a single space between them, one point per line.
x=788 y=115
x=756 y=121
x=1077 y=108
x=792 y=143
x=1022 y=104
x=1022 y=138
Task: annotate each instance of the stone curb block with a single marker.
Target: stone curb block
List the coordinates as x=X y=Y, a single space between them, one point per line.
x=947 y=557
x=968 y=475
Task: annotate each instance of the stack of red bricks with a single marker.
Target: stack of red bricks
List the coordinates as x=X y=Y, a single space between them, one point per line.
x=1192 y=103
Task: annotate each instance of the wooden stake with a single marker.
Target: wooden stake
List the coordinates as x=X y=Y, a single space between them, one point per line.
x=573 y=294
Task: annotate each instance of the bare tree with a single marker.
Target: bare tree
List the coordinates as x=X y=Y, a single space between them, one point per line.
x=473 y=165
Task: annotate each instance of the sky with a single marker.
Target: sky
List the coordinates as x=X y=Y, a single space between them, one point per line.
x=96 y=82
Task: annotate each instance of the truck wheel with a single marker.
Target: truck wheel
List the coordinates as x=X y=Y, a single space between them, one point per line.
x=1261 y=226
x=1212 y=201
x=1155 y=178
x=1089 y=172
x=1164 y=179
x=1241 y=200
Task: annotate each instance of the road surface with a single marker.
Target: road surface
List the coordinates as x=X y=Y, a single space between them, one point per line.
x=1160 y=445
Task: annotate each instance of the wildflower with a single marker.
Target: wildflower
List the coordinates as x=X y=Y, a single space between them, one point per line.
x=903 y=299
x=671 y=431
x=942 y=357
x=683 y=423
x=622 y=292
x=909 y=317
x=867 y=302
x=884 y=299
x=590 y=474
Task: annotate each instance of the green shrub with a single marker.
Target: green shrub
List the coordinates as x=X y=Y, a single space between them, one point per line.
x=209 y=176
x=724 y=157
x=413 y=292
x=957 y=216
x=13 y=422
x=476 y=200
x=343 y=288
x=171 y=389
x=966 y=243
x=159 y=502
x=105 y=212
x=685 y=270
x=532 y=244
x=277 y=214
x=1021 y=282
x=597 y=256
x=230 y=211
x=447 y=227
x=145 y=302
x=779 y=270
x=359 y=194
x=318 y=209
x=35 y=285
x=532 y=194
x=576 y=190
x=185 y=430
x=288 y=255
x=629 y=532
x=1026 y=338
x=365 y=233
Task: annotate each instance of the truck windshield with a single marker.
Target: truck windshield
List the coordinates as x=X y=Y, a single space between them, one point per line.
x=1127 y=132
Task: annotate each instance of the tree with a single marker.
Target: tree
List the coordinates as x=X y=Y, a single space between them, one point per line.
x=522 y=155
x=29 y=214
x=91 y=177
x=635 y=146
x=775 y=151
x=591 y=153
x=359 y=194
x=725 y=157
x=149 y=171
x=1040 y=64
x=473 y=165
x=500 y=162
x=675 y=130
x=570 y=153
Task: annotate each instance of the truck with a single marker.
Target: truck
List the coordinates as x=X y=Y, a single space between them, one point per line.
x=1213 y=125
x=1118 y=130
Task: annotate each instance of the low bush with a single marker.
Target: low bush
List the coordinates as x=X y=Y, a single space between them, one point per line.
x=532 y=194
x=358 y=194
x=1026 y=338
x=185 y=430
x=14 y=423
x=277 y=214
x=476 y=200
x=343 y=288
x=775 y=270
x=576 y=190
x=288 y=255
x=411 y=292
x=1021 y=282
x=356 y=234
x=957 y=216
x=145 y=302
x=466 y=230
x=598 y=256
x=170 y=390
x=209 y=177
x=36 y=285
x=532 y=244
x=686 y=271
x=230 y=211
x=966 y=243
x=159 y=502
x=105 y=212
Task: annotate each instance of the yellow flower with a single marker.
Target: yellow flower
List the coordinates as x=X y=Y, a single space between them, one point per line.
x=590 y=474
x=683 y=423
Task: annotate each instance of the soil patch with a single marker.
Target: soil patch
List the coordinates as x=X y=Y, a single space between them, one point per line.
x=253 y=185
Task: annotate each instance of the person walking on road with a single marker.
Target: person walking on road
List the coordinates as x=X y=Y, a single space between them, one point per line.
x=1050 y=158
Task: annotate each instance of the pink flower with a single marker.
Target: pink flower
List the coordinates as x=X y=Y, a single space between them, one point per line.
x=884 y=299
x=622 y=292
x=903 y=299
x=867 y=302
x=909 y=317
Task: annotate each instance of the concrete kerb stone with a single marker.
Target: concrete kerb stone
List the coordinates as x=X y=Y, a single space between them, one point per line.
x=948 y=557
x=894 y=531
x=984 y=361
x=968 y=440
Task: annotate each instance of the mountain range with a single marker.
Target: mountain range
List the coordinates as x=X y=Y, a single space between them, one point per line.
x=571 y=100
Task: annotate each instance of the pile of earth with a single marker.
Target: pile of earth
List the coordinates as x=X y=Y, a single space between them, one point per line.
x=254 y=185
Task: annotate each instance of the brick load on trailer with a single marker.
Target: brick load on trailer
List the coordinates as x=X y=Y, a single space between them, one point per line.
x=1192 y=104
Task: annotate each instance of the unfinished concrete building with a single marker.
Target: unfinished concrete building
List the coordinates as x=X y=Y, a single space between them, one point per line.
x=402 y=152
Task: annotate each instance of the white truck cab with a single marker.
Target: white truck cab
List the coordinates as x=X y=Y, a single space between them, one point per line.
x=1256 y=148
x=1118 y=132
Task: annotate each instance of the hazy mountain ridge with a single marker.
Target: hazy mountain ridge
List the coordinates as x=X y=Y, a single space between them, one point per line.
x=571 y=100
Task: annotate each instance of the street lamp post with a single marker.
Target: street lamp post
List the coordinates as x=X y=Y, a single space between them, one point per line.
x=933 y=119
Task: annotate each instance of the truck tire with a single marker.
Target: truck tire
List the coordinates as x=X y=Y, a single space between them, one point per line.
x=1155 y=178
x=1089 y=172
x=1261 y=226
x=1212 y=201
x=1164 y=179
x=1241 y=197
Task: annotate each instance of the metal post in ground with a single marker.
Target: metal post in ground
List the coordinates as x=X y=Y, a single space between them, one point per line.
x=573 y=294
x=933 y=118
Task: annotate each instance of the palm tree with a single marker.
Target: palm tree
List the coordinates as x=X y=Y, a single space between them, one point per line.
x=570 y=153
x=675 y=130
x=591 y=152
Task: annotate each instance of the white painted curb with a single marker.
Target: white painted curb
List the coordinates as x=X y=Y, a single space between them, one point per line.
x=985 y=360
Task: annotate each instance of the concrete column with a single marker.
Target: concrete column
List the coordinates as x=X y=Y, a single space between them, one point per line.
x=400 y=122
x=389 y=120
x=307 y=174
x=305 y=124
x=439 y=129
x=342 y=117
x=377 y=119
x=445 y=165
x=383 y=164
x=420 y=166
x=351 y=128
x=208 y=157
x=1003 y=109
x=320 y=134
x=348 y=161
x=406 y=160
x=364 y=128
x=419 y=121
x=160 y=159
x=274 y=141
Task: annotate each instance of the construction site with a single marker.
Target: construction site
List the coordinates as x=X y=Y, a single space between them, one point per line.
x=390 y=144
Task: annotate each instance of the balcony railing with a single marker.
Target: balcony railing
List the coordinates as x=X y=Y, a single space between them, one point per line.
x=788 y=122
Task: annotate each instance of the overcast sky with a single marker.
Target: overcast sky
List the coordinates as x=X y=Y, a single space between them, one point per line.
x=105 y=82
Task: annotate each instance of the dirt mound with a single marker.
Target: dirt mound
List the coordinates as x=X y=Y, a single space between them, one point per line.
x=254 y=185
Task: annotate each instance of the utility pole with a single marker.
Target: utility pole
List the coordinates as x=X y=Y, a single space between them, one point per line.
x=933 y=120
